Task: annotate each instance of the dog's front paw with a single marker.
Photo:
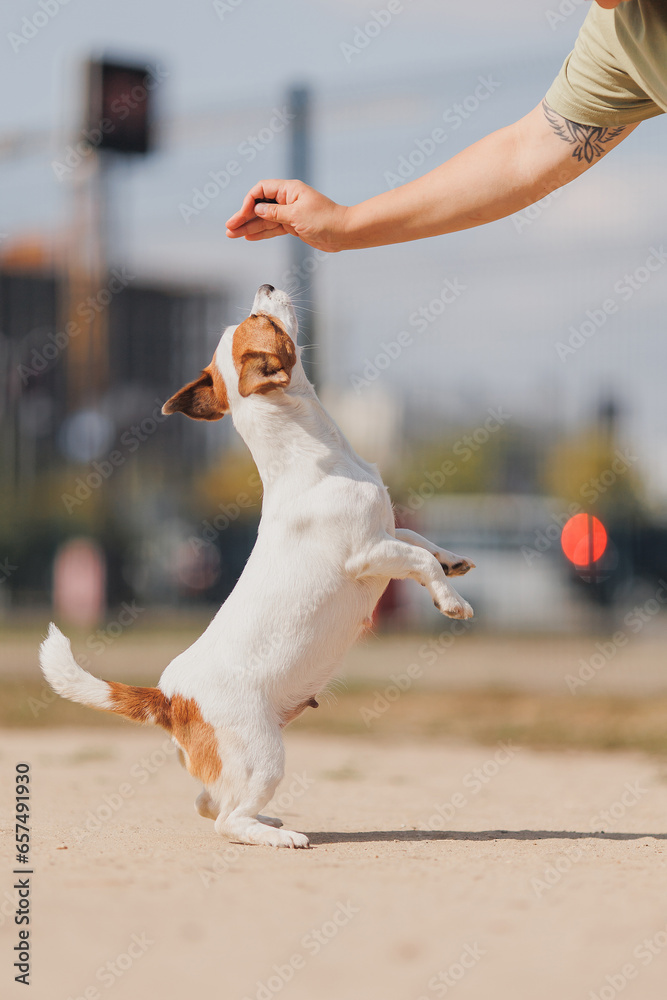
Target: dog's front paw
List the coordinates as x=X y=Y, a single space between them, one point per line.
x=454 y=607
x=457 y=568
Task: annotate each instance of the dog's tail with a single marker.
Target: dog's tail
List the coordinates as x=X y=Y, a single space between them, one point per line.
x=67 y=678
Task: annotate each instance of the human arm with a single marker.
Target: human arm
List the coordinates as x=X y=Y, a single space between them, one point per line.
x=495 y=177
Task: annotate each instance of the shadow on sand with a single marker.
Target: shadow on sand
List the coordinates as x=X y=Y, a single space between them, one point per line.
x=410 y=836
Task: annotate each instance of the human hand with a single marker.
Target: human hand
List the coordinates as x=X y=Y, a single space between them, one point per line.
x=298 y=209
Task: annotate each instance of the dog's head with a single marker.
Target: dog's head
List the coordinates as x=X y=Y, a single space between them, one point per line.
x=255 y=357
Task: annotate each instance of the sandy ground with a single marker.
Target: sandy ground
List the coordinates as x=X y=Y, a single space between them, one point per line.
x=427 y=877
x=634 y=666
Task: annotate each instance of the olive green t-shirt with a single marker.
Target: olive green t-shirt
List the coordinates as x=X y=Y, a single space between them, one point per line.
x=617 y=72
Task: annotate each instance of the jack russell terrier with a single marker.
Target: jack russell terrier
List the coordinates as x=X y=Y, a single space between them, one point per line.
x=326 y=549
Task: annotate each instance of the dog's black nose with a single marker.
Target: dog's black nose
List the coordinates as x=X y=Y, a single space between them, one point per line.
x=267 y=288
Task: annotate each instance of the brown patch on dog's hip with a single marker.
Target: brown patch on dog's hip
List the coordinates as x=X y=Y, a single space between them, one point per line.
x=197 y=738
x=179 y=716
x=141 y=704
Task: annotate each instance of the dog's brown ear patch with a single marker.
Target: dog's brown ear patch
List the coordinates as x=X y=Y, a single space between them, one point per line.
x=263 y=355
x=204 y=399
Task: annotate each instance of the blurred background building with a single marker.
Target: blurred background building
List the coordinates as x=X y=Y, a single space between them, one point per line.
x=481 y=371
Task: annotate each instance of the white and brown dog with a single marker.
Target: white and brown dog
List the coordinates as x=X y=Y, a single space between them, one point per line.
x=326 y=549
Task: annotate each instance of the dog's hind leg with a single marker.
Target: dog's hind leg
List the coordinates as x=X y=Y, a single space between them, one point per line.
x=251 y=773
x=452 y=564
x=206 y=806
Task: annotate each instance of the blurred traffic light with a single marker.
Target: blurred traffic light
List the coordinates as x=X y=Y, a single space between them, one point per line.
x=585 y=542
x=120 y=106
x=584 y=539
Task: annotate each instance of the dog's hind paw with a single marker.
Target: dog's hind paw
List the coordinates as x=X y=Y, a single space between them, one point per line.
x=205 y=806
x=290 y=838
x=253 y=831
x=271 y=837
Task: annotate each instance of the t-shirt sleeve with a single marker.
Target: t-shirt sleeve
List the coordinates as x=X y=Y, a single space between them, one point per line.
x=595 y=85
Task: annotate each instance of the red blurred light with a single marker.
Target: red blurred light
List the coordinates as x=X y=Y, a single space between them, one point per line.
x=584 y=539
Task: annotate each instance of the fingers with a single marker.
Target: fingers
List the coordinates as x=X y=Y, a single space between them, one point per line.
x=274 y=213
x=266 y=234
x=258 y=219
x=275 y=207
x=254 y=227
x=262 y=191
x=259 y=225
x=244 y=214
x=270 y=190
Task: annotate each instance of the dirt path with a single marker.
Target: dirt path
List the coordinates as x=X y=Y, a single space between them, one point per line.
x=525 y=663
x=510 y=894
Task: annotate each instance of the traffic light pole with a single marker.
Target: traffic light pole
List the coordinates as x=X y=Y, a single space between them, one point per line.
x=300 y=167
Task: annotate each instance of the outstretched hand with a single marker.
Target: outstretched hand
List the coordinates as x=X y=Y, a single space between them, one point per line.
x=275 y=207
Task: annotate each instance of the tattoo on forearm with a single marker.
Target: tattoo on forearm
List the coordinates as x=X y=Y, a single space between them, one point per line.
x=588 y=140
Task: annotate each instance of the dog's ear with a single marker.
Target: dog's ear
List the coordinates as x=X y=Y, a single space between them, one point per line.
x=263 y=354
x=203 y=399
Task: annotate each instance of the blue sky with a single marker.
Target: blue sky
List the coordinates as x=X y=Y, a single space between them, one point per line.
x=525 y=284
